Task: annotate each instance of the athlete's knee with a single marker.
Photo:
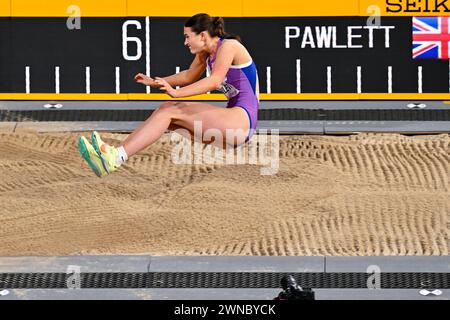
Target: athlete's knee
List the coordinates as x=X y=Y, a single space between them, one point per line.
x=170 y=108
x=168 y=104
x=165 y=105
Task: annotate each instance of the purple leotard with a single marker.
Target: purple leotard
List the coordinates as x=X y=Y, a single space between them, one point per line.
x=241 y=87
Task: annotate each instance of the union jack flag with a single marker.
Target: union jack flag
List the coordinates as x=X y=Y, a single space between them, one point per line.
x=431 y=37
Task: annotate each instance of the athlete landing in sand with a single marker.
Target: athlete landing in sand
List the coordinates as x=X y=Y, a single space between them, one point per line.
x=232 y=71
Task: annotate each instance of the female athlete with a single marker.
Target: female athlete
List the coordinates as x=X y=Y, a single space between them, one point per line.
x=232 y=71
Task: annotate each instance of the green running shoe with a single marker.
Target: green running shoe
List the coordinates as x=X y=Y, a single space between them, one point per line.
x=90 y=155
x=108 y=154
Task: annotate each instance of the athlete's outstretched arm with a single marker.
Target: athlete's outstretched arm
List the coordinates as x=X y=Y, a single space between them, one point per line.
x=182 y=78
x=190 y=75
x=224 y=58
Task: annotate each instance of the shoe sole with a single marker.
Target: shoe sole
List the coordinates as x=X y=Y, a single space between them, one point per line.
x=85 y=154
x=100 y=154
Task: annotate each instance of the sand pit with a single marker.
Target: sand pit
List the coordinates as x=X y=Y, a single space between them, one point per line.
x=366 y=194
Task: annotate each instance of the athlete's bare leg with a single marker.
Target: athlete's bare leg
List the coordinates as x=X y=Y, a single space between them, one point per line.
x=183 y=115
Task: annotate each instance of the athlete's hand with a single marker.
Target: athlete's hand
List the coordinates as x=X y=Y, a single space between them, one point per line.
x=146 y=80
x=165 y=86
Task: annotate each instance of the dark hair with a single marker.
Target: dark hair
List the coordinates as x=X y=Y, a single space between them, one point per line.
x=214 y=25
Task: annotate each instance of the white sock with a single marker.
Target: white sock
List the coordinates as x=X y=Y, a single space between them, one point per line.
x=121 y=156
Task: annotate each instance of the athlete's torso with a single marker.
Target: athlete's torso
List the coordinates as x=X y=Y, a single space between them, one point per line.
x=241 y=85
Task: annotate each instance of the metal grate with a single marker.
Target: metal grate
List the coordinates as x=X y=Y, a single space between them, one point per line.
x=263 y=114
x=222 y=280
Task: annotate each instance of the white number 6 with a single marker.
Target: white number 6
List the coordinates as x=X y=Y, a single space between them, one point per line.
x=126 y=39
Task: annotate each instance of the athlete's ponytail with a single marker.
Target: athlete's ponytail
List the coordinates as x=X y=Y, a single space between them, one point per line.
x=215 y=26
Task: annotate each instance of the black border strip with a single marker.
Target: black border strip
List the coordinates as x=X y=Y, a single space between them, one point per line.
x=222 y=280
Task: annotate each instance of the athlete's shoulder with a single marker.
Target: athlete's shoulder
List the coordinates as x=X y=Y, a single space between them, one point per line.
x=230 y=40
x=229 y=46
x=231 y=43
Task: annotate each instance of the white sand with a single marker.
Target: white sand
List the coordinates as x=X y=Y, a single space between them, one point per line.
x=366 y=194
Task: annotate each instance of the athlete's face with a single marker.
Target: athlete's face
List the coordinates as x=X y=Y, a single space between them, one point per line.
x=195 y=42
